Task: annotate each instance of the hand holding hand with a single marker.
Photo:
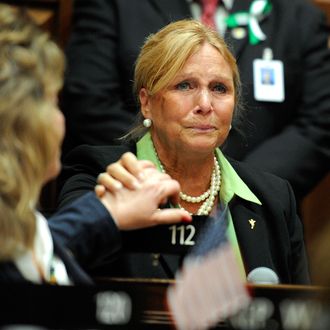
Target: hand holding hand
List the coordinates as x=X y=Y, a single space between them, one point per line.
x=134 y=202
x=127 y=172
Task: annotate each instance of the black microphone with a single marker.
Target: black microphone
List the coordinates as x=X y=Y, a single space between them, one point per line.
x=263 y=275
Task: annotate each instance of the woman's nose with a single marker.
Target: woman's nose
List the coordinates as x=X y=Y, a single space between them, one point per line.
x=204 y=101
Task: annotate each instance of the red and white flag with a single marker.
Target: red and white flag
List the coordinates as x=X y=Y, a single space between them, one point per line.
x=209 y=288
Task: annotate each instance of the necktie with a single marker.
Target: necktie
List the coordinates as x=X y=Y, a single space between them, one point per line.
x=209 y=8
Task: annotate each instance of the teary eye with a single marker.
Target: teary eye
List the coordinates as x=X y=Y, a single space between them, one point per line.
x=184 y=85
x=220 y=88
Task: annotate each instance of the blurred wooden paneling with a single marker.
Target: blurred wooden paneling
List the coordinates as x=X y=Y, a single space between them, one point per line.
x=52 y=15
x=325 y=6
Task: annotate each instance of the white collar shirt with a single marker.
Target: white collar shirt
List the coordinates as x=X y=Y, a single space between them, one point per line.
x=44 y=254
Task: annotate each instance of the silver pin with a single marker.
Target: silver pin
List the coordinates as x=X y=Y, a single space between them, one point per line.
x=252 y=223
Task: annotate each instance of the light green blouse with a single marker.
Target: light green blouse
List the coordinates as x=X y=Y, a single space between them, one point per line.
x=231 y=184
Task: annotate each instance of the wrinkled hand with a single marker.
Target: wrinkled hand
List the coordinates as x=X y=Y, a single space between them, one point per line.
x=127 y=172
x=134 y=202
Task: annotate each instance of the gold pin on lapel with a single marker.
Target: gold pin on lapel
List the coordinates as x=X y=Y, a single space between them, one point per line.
x=252 y=223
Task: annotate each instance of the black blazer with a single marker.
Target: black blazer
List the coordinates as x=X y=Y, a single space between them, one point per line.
x=276 y=242
x=83 y=234
x=290 y=139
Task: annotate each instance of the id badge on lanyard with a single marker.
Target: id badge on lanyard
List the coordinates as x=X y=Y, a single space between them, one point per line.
x=268 y=78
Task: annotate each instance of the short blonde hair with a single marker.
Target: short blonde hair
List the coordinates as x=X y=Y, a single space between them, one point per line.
x=31 y=66
x=164 y=54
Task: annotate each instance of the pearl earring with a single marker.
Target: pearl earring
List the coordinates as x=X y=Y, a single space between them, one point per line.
x=230 y=127
x=147 y=122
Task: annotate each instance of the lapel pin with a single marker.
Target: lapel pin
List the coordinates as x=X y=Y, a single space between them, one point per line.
x=252 y=223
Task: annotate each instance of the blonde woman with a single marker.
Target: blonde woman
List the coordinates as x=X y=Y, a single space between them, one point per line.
x=188 y=87
x=31 y=133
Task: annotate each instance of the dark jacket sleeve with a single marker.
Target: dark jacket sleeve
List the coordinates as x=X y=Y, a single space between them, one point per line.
x=81 y=168
x=298 y=258
x=92 y=98
x=86 y=229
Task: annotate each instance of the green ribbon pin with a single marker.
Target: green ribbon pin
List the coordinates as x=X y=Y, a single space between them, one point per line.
x=258 y=10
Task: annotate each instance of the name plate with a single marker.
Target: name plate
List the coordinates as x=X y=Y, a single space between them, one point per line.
x=69 y=307
x=172 y=239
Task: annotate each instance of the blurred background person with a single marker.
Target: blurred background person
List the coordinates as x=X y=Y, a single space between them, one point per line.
x=286 y=129
x=188 y=86
x=31 y=133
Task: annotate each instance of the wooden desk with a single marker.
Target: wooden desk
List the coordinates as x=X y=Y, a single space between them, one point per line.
x=72 y=307
x=278 y=302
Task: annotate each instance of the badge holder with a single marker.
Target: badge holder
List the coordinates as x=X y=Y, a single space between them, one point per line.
x=268 y=78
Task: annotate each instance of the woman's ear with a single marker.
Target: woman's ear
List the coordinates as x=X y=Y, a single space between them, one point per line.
x=145 y=102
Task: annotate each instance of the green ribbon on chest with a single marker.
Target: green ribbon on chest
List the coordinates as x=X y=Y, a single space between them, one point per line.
x=251 y=18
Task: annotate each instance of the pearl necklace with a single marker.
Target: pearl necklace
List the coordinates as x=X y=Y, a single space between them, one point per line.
x=208 y=196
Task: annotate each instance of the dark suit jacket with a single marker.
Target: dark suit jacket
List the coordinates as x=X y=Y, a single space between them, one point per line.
x=83 y=234
x=290 y=139
x=276 y=242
